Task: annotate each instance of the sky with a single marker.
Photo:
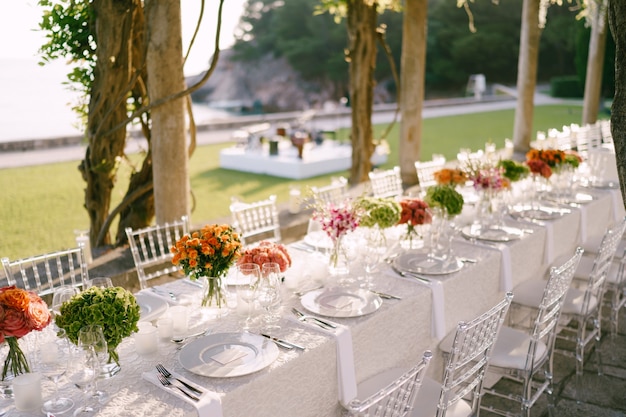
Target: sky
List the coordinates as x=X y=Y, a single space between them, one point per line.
x=20 y=27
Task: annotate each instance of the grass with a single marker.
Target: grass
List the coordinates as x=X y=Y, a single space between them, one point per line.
x=41 y=206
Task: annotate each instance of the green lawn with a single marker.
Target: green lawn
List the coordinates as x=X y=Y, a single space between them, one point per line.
x=41 y=206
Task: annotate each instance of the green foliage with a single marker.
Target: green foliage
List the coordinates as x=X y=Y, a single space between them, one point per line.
x=566 y=86
x=381 y=212
x=444 y=196
x=114 y=308
x=513 y=170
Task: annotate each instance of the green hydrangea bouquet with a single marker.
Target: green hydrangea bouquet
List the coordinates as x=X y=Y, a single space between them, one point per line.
x=113 y=308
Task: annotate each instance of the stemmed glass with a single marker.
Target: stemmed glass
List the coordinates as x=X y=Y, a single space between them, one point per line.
x=54 y=359
x=268 y=294
x=316 y=235
x=62 y=294
x=83 y=374
x=92 y=337
x=248 y=278
x=102 y=282
x=372 y=255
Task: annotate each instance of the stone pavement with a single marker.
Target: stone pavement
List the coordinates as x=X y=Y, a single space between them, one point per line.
x=602 y=396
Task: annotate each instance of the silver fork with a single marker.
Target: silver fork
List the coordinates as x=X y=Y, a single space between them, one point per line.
x=166 y=383
x=166 y=374
x=303 y=317
x=163 y=292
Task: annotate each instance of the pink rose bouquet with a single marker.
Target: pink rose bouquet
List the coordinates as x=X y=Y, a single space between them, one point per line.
x=21 y=312
x=266 y=252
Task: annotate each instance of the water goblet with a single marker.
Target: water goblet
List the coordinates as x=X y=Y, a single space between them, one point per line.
x=92 y=337
x=54 y=359
x=248 y=277
x=83 y=373
x=60 y=295
x=102 y=282
x=268 y=294
x=371 y=258
x=316 y=235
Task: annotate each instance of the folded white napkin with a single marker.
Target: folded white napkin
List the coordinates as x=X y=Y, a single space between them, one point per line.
x=346 y=375
x=438 y=322
x=184 y=290
x=209 y=405
x=583 y=224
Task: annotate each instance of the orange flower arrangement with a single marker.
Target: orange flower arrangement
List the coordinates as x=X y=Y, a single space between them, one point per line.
x=21 y=312
x=552 y=157
x=208 y=253
x=449 y=176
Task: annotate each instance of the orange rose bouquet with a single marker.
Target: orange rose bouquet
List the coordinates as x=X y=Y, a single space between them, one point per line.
x=208 y=253
x=21 y=312
x=449 y=176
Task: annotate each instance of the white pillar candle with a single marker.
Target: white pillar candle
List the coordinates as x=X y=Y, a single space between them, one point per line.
x=165 y=326
x=27 y=391
x=179 y=320
x=146 y=340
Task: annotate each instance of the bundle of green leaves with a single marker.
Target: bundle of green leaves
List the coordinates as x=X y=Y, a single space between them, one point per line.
x=381 y=212
x=113 y=308
x=513 y=170
x=445 y=196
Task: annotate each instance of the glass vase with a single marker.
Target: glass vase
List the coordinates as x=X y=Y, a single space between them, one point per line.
x=338 y=259
x=439 y=234
x=215 y=295
x=411 y=239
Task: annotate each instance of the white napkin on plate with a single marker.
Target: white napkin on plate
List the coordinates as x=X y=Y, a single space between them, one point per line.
x=210 y=404
x=346 y=375
x=184 y=289
x=438 y=322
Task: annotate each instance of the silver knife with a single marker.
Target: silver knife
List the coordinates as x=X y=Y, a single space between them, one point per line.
x=285 y=343
x=385 y=295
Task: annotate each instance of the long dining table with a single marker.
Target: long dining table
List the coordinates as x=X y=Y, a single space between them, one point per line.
x=311 y=382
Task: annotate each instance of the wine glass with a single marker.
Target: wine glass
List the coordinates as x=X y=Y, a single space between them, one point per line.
x=268 y=294
x=92 y=336
x=315 y=234
x=83 y=373
x=60 y=295
x=54 y=359
x=248 y=277
x=371 y=256
x=102 y=282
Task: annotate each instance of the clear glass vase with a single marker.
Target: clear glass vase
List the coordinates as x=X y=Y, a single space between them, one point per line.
x=215 y=295
x=338 y=259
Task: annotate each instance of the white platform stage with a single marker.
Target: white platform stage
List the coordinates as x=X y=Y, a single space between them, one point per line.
x=316 y=160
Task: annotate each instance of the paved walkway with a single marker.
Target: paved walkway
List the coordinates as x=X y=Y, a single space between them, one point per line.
x=332 y=120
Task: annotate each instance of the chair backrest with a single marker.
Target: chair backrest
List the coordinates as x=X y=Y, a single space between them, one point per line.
x=256 y=221
x=43 y=273
x=386 y=183
x=426 y=171
x=601 y=265
x=544 y=329
x=334 y=193
x=150 y=247
x=469 y=357
x=396 y=398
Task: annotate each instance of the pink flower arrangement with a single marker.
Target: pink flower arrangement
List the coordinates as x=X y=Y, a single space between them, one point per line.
x=266 y=252
x=336 y=221
x=414 y=212
x=21 y=312
x=491 y=178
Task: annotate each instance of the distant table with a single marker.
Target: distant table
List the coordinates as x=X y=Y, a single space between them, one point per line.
x=316 y=160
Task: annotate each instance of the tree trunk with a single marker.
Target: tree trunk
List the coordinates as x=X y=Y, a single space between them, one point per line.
x=165 y=71
x=361 y=22
x=595 y=64
x=107 y=109
x=617 y=21
x=526 y=76
x=411 y=87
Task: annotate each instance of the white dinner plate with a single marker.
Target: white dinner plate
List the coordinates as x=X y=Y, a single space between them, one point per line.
x=493 y=234
x=421 y=263
x=319 y=240
x=544 y=211
x=225 y=355
x=150 y=307
x=341 y=302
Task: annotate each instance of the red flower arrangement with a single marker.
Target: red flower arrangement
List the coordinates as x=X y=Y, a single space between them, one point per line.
x=266 y=252
x=21 y=312
x=414 y=212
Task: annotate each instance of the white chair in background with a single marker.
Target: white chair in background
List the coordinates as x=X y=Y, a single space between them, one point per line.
x=615 y=293
x=336 y=192
x=393 y=399
x=43 y=273
x=426 y=172
x=256 y=221
x=525 y=355
x=469 y=351
x=386 y=183
x=150 y=247
x=605 y=129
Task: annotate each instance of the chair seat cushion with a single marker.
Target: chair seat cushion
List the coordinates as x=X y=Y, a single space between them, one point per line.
x=511 y=349
x=529 y=294
x=425 y=404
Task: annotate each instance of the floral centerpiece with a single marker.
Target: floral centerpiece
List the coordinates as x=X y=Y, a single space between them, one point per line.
x=337 y=221
x=513 y=170
x=414 y=213
x=450 y=176
x=266 y=252
x=22 y=312
x=543 y=161
x=444 y=197
x=378 y=214
x=115 y=309
x=208 y=253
